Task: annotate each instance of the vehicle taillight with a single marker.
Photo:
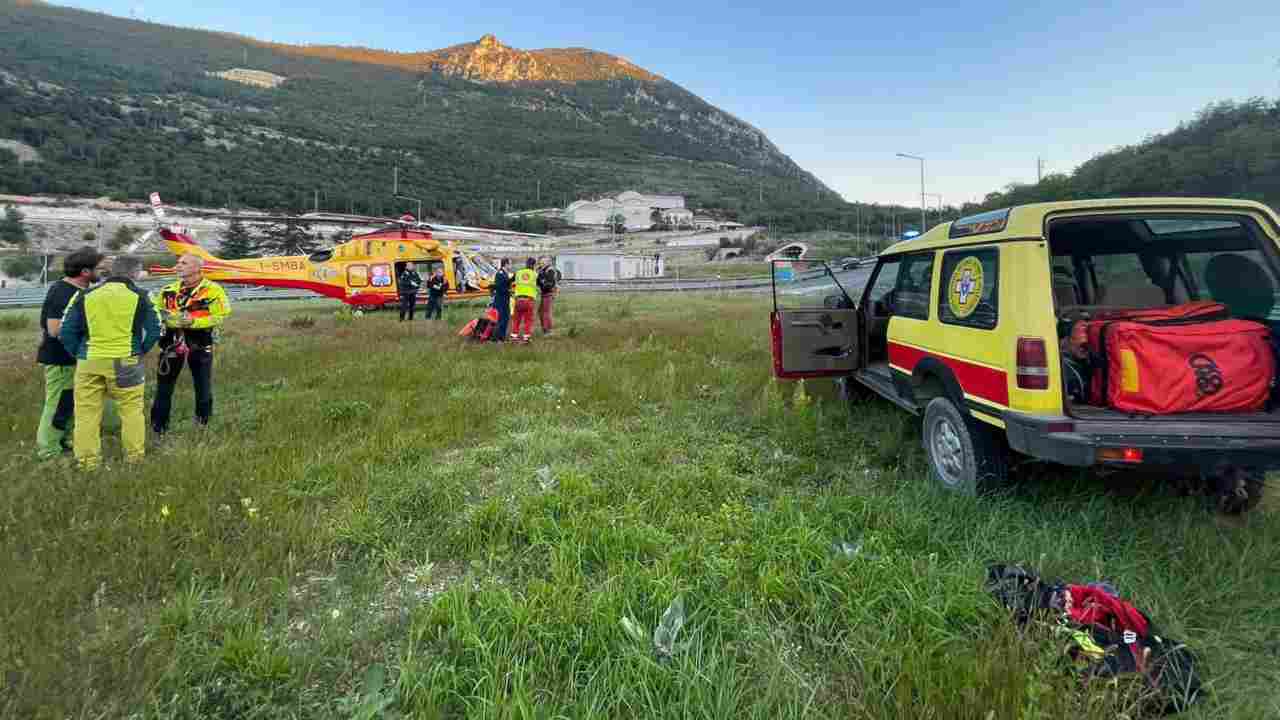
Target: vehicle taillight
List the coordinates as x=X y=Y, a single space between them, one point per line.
x=1033 y=364
x=1124 y=455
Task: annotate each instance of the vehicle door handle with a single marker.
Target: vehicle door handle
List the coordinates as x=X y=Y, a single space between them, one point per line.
x=835 y=352
x=817 y=324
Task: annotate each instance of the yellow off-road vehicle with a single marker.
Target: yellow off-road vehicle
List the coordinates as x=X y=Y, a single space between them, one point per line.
x=965 y=325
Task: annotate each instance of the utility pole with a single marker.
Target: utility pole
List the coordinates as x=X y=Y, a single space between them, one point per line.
x=857 y=228
x=916 y=157
x=1039 y=169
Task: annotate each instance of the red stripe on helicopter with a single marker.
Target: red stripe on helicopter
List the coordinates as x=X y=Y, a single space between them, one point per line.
x=977 y=380
x=332 y=291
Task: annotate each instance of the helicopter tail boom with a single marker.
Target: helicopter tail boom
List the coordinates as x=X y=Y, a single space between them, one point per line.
x=181 y=244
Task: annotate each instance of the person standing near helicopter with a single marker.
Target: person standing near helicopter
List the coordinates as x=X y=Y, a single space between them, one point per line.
x=192 y=309
x=548 y=277
x=501 y=290
x=409 y=281
x=526 y=283
x=436 y=286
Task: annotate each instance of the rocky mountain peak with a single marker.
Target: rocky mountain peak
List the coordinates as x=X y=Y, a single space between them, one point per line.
x=488 y=60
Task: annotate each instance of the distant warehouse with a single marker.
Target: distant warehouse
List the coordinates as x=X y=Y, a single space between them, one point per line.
x=607 y=266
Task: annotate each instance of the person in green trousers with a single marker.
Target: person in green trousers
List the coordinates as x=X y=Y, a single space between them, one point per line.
x=80 y=269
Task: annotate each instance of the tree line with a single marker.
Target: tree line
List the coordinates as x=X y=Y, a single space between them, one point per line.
x=1229 y=149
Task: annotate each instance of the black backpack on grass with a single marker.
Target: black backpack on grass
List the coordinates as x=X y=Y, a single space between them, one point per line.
x=1168 y=667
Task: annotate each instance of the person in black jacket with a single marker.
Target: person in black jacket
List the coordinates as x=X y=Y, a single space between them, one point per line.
x=502 y=300
x=82 y=268
x=436 y=287
x=409 y=282
x=548 y=277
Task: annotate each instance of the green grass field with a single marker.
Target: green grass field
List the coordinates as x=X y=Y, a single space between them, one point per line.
x=383 y=521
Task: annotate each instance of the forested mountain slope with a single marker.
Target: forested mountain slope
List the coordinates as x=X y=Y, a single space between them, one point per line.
x=97 y=105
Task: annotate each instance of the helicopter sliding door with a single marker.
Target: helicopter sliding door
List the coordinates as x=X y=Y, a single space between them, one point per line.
x=425 y=268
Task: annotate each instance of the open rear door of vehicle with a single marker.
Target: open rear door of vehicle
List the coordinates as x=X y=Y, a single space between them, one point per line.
x=814 y=324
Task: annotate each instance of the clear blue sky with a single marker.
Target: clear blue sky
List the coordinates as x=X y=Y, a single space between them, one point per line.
x=980 y=92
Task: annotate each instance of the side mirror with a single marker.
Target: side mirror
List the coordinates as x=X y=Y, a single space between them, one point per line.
x=835 y=302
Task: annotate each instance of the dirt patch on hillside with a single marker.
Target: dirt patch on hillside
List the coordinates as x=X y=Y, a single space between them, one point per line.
x=25 y=152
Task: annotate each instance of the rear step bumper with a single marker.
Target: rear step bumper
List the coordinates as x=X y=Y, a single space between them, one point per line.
x=1071 y=441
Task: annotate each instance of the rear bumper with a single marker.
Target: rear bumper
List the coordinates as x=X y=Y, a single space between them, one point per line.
x=1070 y=441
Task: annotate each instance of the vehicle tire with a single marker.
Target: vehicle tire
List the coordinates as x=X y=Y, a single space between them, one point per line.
x=965 y=457
x=1238 y=489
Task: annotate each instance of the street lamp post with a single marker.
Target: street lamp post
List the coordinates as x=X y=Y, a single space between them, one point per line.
x=916 y=157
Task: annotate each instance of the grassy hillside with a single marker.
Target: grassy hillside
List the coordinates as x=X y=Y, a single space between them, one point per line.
x=118 y=107
x=382 y=520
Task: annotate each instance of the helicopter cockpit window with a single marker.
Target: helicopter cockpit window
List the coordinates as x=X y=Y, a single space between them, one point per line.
x=358 y=275
x=321 y=256
x=380 y=275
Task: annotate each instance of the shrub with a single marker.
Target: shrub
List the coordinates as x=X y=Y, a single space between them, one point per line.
x=23 y=267
x=302 y=322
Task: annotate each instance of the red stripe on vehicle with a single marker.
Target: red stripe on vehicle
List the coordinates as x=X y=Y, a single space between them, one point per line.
x=977 y=380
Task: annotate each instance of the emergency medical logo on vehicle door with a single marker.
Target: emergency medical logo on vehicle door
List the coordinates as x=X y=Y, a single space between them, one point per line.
x=964 y=290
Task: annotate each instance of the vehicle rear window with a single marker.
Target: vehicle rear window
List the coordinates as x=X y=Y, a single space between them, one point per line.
x=1163 y=226
x=911 y=296
x=970 y=297
x=1129 y=261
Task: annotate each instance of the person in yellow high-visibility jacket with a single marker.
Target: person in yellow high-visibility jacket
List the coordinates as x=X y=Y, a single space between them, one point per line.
x=526 y=283
x=192 y=310
x=108 y=329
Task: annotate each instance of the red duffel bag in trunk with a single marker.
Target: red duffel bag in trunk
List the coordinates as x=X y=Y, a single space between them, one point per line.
x=1180 y=360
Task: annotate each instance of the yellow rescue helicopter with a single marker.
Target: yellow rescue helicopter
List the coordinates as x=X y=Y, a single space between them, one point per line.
x=362 y=271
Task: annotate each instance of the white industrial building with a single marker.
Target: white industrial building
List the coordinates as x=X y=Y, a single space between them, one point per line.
x=637 y=210
x=678 y=217
x=608 y=266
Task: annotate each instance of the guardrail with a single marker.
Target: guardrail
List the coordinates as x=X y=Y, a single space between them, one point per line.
x=29 y=297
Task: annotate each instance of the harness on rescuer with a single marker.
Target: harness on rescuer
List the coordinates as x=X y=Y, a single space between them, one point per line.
x=204 y=306
x=177 y=351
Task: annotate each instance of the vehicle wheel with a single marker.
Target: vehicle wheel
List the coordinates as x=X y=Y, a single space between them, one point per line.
x=964 y=456
x=1238 y=489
